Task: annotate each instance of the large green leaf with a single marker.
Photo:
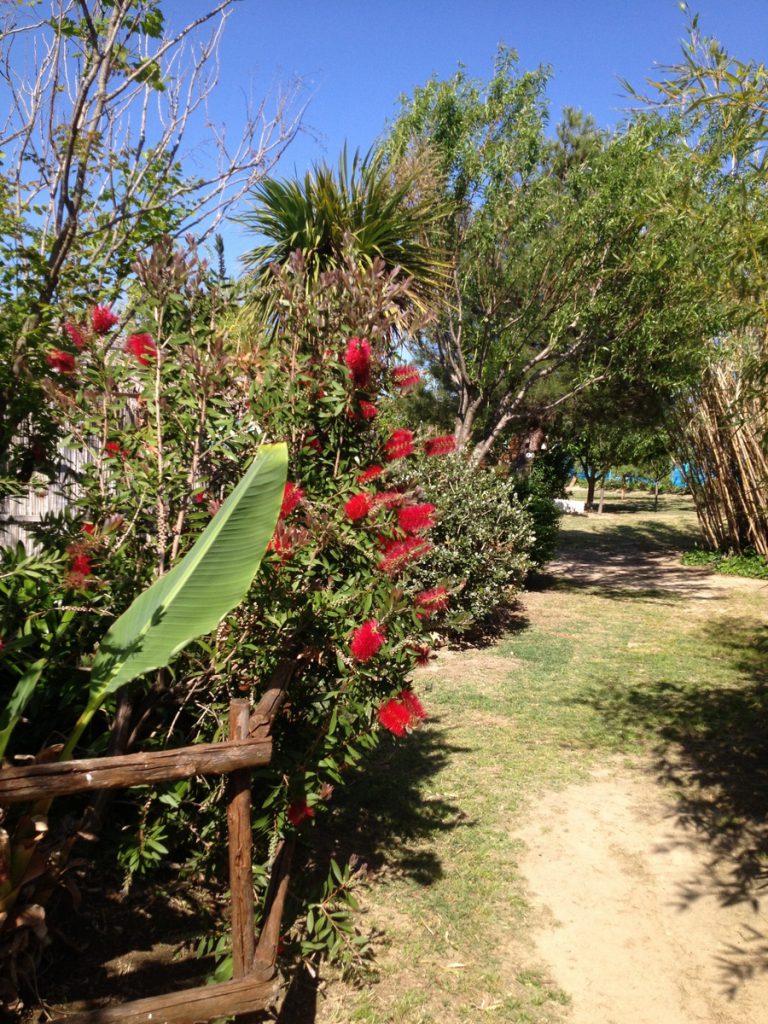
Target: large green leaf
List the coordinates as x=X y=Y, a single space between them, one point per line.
x=14 y=709
x=211 y=580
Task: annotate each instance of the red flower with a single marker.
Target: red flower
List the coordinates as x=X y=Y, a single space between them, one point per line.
x=389 y=499
x=75 y=336
x=82 y=564
x=414 y=518
x=369 y=474
x=143 y=347
x=399 y=445
x=395 y=717
x=103 y=319
x=61 y=362
x=88 y=528
x=200 y=497
x=358 y=506
x=405 y=377
x=443 y=445
x=314 y=444
x=368 y=410
x=112 y=448
x=398 y=553
x=367 y=640
x=429 y=602
x=292 y=496
x=298 y=811
x=358 y=360
x=282 y=546
x=412 y=704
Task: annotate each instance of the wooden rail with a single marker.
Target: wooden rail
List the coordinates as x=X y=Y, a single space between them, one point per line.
x=254 y=985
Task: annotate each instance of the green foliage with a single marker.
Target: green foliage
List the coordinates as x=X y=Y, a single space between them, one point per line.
x=483 y=539
x=746 y=563
x=544 y=481
x=362 y=209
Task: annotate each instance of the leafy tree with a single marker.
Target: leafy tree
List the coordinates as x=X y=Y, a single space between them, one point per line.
x=569 y=263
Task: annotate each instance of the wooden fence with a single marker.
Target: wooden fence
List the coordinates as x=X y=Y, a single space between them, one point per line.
x=254 y=984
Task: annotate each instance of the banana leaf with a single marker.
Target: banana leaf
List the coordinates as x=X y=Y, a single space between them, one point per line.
x=14 y=709
x=190 y=600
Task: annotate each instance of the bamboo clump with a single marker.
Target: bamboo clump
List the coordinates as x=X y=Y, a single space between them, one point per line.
x=722 y=428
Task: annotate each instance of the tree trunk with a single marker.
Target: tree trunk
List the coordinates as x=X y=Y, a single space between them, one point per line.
x=591 y=481
x=602 y=495
x=655 y=495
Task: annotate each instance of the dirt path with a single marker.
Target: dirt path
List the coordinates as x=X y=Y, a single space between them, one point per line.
x=637 y=919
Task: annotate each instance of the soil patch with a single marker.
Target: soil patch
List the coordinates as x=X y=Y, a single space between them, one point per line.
x=610 y=868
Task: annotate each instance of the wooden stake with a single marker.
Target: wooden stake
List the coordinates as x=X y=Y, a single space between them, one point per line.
x=240 y=849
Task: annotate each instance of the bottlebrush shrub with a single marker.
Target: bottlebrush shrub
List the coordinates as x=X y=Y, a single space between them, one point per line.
x=170 y=425
x=482 y=540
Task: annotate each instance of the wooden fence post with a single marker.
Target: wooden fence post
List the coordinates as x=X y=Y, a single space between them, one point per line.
x=240 y=850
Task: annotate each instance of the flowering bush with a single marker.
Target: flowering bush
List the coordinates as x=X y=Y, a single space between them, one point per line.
x=170 y=416
x=480 y=544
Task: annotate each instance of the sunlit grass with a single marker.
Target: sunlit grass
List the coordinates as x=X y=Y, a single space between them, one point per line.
x=587 y=676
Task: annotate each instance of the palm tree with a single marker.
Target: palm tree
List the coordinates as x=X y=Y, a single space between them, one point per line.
x=366 y=210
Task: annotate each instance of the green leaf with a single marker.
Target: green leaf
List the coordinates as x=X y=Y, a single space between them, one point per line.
x=211 y=580
x=13 y=710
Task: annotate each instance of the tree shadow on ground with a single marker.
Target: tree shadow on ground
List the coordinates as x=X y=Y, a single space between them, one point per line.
x=382 y=824
x=712 y=746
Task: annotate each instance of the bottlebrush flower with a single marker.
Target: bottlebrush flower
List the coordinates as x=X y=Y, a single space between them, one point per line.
x=422 y=653
x=430 y=602
x=298 y=811
x=414 y=518
x=405 y=377
x=75 y=336
x=367 y=640
x=358 y=360
x=368 y=410
x=292 y=496
x=370 y=474
x=389 y=499
x=103 y=319
x=143 y=347
x=314 y=444
x=82 y=564
x=443 y=445
x=281 y=546
x=395 y=717
x=88 y=528
x=112 y=449
x=412 y=704
x=199 y=497
x=358 y=507
x=61 y=362
x=399 y=445
x=398 y=553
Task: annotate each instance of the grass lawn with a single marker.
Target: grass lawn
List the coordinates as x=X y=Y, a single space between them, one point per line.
x=625 y=655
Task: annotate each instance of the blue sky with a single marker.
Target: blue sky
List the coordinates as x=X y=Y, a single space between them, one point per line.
x=356 y=58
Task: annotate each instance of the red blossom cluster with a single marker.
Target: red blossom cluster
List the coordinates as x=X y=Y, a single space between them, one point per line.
x=399 y=444
x=415 y=518
x=80 y=564
x=143 y=347
x=368 y=410
x=443 y=445
x=398 y=553
x=358 y=506
x=75 y=335
x=292 y=497
x=430 y=602
x=298 y=811
x=405 y=377
x=60 y=361
x=401 y=713
x=370 y=474
x=367 y=640
x=103 y=319
x=114 y=450
x=358 y=361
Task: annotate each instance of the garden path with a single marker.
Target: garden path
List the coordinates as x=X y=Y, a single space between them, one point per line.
x=646 y=914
